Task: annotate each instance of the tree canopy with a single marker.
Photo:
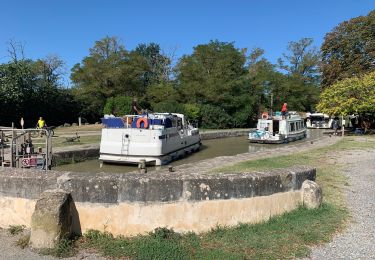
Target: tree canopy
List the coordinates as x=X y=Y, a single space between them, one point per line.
x=31 y=89
x=349 y=49
x=218 y=85
x=354 y=95
x=108 y=71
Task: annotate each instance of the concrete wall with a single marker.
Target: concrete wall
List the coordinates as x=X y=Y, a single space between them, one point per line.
x=130 y=204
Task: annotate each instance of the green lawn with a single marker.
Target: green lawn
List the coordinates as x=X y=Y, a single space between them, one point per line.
x=62 y=141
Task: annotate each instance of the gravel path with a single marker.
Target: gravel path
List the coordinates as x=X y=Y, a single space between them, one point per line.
x=10 y=251
x=358 y=241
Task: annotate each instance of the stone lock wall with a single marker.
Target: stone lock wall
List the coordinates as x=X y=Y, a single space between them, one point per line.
x=133 y=203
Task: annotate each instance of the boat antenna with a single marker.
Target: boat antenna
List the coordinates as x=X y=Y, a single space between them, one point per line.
x=271 y=104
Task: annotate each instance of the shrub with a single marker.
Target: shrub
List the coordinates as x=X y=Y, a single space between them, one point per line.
x=214 y=117
x=169 y=107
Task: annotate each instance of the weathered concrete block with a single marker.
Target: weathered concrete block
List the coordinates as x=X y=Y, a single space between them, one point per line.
x=52 y=218
x=312 y=194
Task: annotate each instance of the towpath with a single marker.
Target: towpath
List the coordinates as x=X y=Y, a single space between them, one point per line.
x=358 y=240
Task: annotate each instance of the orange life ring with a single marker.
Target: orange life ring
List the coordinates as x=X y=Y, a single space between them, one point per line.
x=265 y=115
x=140 y=120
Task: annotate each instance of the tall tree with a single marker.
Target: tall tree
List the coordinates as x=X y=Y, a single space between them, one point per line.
x=158 y=63
x=354 y=95
x=211 y=73
x=300 y=86
x=213 y=77
x=349 y=49
x=302 y=60
x=263 y=81
x=30 y=89
x=108 y=71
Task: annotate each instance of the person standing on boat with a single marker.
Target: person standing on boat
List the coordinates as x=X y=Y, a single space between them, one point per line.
x=134 y=108
x=284 y=109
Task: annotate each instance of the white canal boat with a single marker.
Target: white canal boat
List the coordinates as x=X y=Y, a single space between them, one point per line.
x=278 y=129
x=157 y=138
x=318 y=121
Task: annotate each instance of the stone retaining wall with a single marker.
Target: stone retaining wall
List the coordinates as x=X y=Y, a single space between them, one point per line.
x=224 y=133
x=131 y=203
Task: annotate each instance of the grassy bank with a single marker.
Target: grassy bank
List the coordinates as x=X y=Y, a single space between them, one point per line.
x=62 y=141
x=282 y=237
x=323 y=159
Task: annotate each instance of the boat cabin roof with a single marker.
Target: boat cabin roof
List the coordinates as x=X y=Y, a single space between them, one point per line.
x=166 y=120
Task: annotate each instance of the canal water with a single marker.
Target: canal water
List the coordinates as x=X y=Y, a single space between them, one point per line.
x=209 y=149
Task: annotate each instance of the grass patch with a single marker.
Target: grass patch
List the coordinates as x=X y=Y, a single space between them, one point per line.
x=71 y=129
x=323 y=159
x=285 y=236
x=90 y=139
x=16 y=229
x=64 y=248
x=23 y=241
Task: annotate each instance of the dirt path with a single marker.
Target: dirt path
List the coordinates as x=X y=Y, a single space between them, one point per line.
x=358 y=240
x=10 y=251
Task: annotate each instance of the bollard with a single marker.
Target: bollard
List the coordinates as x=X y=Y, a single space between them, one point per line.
x=142 y=166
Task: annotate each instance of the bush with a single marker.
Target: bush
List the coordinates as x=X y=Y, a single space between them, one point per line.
x=214 y=117
x=192 y=111
x=16 y=229
x=169 y=107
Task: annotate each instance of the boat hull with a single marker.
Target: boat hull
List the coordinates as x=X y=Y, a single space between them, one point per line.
x=279 y=141
x=130 y=146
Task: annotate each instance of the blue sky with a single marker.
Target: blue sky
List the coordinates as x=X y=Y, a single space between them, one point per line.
x=69 y=28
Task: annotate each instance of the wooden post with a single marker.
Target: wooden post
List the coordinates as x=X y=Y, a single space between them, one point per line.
x=79 y=121
x=142 y=166
x=342 y=125
x=271 y=104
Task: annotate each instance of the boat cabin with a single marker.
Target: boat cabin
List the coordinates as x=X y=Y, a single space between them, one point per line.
x=277 y=125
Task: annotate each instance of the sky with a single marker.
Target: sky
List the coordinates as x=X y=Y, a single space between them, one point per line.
x=69 y=28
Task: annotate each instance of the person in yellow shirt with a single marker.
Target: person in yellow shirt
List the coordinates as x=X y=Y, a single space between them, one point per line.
x=41 y=123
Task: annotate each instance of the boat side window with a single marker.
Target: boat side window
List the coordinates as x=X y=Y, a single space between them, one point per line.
x=168 y=123
x=292 y=127
x=179 y=123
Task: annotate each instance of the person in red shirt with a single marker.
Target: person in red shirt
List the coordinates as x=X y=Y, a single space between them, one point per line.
x=284 y=109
